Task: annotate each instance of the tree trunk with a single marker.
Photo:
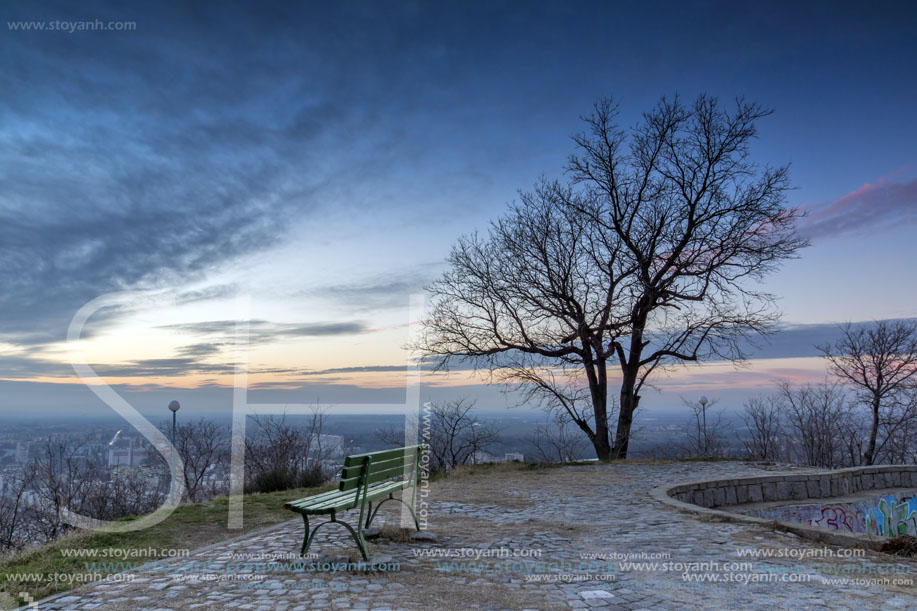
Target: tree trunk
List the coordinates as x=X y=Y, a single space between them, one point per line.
x=629 y=398
x=629 y=401
x=600 y=442
x=598 y=388
x=869 y=457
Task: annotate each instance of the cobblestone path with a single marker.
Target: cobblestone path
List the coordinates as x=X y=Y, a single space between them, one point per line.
x=511 y=538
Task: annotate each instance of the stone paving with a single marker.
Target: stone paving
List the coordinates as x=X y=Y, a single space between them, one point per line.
x=576 y=537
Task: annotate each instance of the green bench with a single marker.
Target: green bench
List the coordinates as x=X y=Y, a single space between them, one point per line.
x=364 y=479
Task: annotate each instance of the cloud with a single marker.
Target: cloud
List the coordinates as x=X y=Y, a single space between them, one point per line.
x=152 y=158
x=200 y=350
x=263 y=331
x=221 y=291
x=873 y=207
x=29 y=366
x=168 y=367
x=204 y=357
x=363 y=369
x=392 y=293
x=382 y=291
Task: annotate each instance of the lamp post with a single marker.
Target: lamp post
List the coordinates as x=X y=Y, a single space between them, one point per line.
x=703 y=407
x=174 y=406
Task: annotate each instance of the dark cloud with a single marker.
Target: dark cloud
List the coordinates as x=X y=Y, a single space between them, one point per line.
x=25 y=367
x=171 y=367
x=797 y=341
x=204 y=359
x=873 y=207
x=221 y=291
x=199 y=350
x=263 y=331
x=151 y=157
x=385 y=292
x=30 y=367
x=364 y=369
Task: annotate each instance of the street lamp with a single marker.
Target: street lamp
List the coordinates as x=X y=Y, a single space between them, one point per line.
x=174 y=406
x=703 y=406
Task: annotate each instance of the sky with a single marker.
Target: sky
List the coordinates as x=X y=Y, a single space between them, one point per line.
x=307 y=166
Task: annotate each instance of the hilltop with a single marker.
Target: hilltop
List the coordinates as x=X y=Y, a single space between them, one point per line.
x=515 y=537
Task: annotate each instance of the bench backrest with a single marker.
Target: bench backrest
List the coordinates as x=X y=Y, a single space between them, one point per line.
x=372 y=467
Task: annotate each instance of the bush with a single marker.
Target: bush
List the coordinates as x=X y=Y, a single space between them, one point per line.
x=285 y=479
x=280 y=456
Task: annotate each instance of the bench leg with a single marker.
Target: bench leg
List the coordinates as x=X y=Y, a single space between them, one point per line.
x=358 y=537
x=305 y=540
x=372 y=514
x=356 y=534
x=413 y=514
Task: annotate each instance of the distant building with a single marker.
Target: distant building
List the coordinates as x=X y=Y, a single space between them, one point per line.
x=127 y=457
x=481 y=457
x=22 y=451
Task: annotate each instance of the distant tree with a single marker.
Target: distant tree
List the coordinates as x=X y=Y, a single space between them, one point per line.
x=880 y=363
x=204 y=448
x=62 y=479
x=280 y=455
x=763 y=422
x=556 y=441
x=705 y=429
x=898 y=431
x=15 y=531
x=126 y=492
x=651 y=255
x=453 y=435
x=821 y=423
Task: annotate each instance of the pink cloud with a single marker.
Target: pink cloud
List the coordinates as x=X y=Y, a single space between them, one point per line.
x=874 y=206
x=758 y=375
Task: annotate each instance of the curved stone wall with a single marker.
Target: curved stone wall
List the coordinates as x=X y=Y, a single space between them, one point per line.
x=794 y=487
x=703 y=497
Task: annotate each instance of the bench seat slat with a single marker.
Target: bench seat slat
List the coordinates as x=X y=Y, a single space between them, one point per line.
x=335 y=495
x=372 y=492
x=357 y=459
x=315 y=497
x=336 y=501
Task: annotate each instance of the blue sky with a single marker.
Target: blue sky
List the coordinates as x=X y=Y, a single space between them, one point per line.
x=322 y=157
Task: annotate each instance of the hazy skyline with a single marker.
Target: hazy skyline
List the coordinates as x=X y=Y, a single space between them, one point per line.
x=322 y=159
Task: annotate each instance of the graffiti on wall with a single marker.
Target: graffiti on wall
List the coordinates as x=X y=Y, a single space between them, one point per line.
x=891 y=518
x=885 y=516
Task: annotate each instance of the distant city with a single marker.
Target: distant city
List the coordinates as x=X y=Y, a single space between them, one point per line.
x=121 y=448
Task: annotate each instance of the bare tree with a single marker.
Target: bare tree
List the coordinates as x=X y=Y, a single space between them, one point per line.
x=898 y=431
x=880 y=363
x=453 y=435
x=649 y=257
x=705 y=429
x=126 y=492
x=821 y=422
x=62 y=480
x=763 y=421
x=204 y=449
x=699 y=223
x=280 y=455
x=556 y=441
x=14 y=515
